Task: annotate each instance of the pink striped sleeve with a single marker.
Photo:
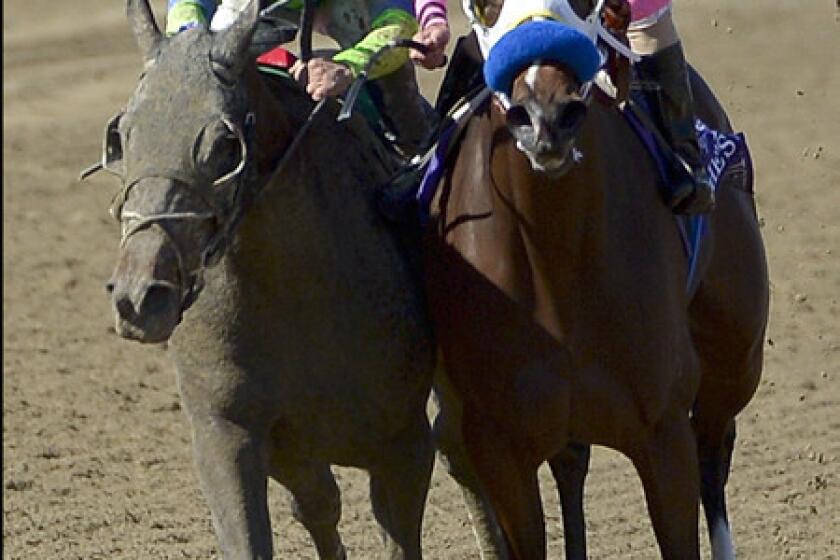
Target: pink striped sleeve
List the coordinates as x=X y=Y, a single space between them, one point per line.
x=430 y=12
x=641 y=9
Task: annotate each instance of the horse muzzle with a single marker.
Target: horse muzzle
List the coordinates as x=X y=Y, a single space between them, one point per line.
x=146 y=290
x=547 y=137
x=551 y=160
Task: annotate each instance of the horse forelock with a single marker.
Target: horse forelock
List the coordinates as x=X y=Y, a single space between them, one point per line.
x=182 y=77
x=175 y=98
x=545 y=80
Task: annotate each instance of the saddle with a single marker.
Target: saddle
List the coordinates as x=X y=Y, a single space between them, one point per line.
x=271 y=31
x=463 y=91
x=279 y=60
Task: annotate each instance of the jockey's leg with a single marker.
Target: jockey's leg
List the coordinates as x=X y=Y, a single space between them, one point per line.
x=407 y=111
x=277 y=29
x=663 y=62
x=411 y=119
x=182 y=15
x=463 y=74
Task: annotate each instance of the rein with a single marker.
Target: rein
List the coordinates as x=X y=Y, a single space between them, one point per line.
x=133 y=222
x=221 y=238
x=241 y=176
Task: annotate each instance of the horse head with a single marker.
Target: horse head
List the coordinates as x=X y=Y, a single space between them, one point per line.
x=541 y=71
x=546 y=111
x=180 y=148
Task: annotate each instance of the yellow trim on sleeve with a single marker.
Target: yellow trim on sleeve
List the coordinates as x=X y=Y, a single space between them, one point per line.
x=391 y=24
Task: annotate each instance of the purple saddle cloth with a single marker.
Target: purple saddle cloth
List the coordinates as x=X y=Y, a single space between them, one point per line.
x=728 y=161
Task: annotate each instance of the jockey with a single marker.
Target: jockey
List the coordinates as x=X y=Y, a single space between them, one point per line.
x=361 y=28
x=653 y=35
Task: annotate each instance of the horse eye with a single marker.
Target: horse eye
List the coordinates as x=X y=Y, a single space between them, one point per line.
x=218 y=150
x=113 y=145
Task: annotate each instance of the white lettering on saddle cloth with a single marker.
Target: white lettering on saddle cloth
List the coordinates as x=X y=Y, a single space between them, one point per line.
x=720 y=151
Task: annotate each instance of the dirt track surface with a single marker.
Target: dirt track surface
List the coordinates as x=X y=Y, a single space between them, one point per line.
x=96 y=451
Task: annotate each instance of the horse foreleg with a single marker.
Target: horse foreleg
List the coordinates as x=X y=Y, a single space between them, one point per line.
x=719 y=400
x=316 y=503
x=725 y=389
x=231 y=466
x=399 y=483
x=449 y=442
x=667 y=465
x=511 y=485
x=730 y=350
x=569 y=468
x=486 y=530
x=715 y=453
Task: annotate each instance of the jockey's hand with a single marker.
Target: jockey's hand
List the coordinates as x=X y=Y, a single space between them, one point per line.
x=435 y=37
x=322 y=77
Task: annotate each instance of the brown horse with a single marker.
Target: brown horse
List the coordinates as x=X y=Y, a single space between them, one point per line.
x=558 y=291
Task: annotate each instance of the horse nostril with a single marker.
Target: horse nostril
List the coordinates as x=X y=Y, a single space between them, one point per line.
x=125 y=308
x=157 y=299
x=543 y=148
x=109 y=287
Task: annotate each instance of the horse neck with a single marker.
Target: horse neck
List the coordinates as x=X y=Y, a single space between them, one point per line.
x=566 y=215
x=322 y=191
x=583 y=225
x=275 y=123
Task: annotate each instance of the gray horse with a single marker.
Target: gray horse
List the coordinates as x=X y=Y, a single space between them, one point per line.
x=302 y=339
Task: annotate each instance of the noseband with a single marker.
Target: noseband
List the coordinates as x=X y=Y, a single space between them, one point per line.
x=240 y=177
x=191 y=279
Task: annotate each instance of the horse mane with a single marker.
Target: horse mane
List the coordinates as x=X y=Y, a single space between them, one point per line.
x=353 y=136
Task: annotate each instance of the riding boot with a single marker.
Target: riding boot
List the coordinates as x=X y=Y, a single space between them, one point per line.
x=405 y=109
x=463 y=74
x=691 y=189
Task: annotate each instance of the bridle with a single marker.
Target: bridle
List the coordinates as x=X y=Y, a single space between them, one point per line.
x=511 y=16
x=238 y=180
x=225 y=216
x=241 y=181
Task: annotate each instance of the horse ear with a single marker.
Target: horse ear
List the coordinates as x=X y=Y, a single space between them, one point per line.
x=145 y=29
x=230 y=45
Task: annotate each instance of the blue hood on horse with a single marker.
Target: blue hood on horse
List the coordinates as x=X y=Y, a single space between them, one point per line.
x=544 y=41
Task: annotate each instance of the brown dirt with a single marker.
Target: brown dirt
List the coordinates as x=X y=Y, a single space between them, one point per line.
x=97 y=452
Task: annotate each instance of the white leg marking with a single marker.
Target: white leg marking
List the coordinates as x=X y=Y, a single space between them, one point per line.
x=722 y=547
